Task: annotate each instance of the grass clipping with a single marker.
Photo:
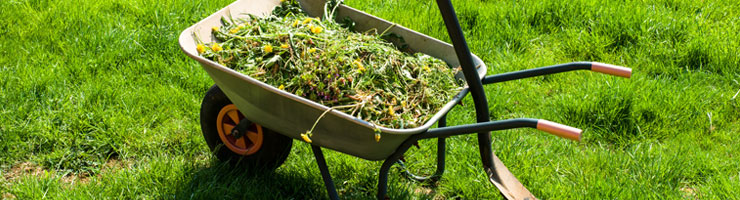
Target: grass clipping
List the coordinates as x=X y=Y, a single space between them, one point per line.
x=357 y=73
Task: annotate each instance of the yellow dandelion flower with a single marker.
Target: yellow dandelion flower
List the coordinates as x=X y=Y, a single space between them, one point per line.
x=267 y=48
x=403 y=104
x=201 y=48
x=391 y=111
x=215 y=28
x=233 y=31
x=241 y=26
x=360 y=68
x=284 y=46
x=281 y=87
x=295 y=23
x=216 y=47
x=311 y=50
x=306 y=137
x=308 y=19
x=426 y=68
x=316 y=29
x=377 y=137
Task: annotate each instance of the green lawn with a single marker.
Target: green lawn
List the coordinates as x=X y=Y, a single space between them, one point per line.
x=97 y=101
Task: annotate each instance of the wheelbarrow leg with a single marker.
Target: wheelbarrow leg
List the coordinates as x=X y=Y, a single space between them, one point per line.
x=441 y=142
x=441 y=150
x=440 y=160
x=383 y=174
x=325 y=172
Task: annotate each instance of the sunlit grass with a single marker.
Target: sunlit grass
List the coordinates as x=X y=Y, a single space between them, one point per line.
x=99 y=101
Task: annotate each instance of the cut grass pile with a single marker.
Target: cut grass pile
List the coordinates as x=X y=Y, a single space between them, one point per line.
x=357 y=73
x=87 y=83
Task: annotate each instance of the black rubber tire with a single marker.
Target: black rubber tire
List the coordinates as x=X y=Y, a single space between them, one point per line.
x=273 y=152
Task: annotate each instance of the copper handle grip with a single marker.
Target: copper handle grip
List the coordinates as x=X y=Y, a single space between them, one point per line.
x=563 y=131
x=611 y=69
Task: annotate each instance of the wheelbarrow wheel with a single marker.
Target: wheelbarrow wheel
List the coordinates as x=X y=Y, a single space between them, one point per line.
x=257 y=148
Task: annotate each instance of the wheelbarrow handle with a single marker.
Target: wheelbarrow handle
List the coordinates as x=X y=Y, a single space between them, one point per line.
x=554 y=69
x=540 y=124
x=611 y=69
x=560 y=130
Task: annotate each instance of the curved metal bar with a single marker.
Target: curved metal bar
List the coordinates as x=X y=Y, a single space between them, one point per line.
x=461 y=47
x=441 y=152
x=476 y=86
x=408 y=174
x=383 y=174
x=444 y=132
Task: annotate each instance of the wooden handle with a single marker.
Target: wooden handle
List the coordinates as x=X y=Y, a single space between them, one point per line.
x=563 y=131
x=611 y=69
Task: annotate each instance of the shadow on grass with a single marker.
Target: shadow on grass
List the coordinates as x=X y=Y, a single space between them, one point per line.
x=614 y=117
x=222 y=181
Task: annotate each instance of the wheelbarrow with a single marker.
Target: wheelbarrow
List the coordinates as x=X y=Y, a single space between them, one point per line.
x=253 y=122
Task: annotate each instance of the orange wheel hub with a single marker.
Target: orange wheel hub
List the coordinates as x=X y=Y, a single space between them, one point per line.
x=249 y=143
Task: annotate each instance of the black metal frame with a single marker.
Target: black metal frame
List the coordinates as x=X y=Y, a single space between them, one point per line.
x=324 y=172
x=482 y=127
x=441 y=146
x=537 y=72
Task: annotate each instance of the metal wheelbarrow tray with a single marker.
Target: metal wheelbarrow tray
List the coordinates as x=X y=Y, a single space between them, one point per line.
x=290 y=115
